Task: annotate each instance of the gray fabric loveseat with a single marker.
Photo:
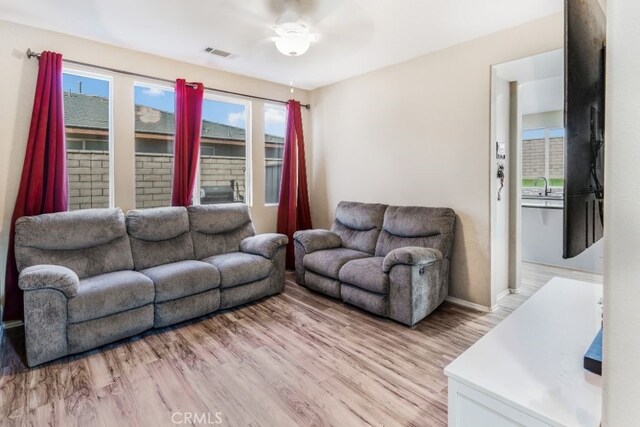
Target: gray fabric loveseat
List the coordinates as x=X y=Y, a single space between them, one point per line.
x=92 y=277
x=390 y=260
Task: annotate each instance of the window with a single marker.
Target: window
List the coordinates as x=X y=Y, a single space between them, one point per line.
x=224 y=167
x=275 y=117
x=154 y=136
x=543 y=156
x=87 y=120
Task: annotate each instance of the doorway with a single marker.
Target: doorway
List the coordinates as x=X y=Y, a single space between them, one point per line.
x=527 y=173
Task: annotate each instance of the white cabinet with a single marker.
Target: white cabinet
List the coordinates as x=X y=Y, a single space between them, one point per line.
x=542 y=231
x=528 y=371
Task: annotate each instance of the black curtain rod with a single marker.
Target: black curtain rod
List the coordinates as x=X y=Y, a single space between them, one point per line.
x=32 y=54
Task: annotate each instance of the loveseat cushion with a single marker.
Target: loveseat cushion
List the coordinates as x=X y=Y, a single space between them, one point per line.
x=416 y=226
x=410 y=255
x=238 y=268
x=182 y=278
x=359 y=225
x=317 y=240
x=109 y=293
x=366 y=273
x=330 y=261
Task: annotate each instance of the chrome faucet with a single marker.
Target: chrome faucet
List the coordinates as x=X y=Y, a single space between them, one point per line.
x=546 y=185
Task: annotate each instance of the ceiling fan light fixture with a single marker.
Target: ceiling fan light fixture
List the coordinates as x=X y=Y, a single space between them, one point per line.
x=293 y=38
x=292 y=45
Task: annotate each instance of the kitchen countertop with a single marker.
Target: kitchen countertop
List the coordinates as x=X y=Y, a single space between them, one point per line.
x=543 y=202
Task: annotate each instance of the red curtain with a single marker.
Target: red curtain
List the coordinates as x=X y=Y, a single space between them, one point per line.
x=293 y=205
x=43 y=185
x=188 y=129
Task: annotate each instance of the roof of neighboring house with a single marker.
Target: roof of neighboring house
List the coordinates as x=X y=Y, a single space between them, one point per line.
x=92 y=112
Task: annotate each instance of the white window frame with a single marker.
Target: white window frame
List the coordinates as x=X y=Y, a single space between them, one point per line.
x=212 y=96
x=264 y=132
x=81 y=72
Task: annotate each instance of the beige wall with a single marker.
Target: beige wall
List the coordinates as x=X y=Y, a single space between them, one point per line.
x=621 y=253
x=418 y=133
x=17 y=87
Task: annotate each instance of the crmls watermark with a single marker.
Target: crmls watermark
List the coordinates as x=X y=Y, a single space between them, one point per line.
x=197 y=418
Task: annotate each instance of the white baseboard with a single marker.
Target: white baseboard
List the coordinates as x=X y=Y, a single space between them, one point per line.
x=515 y=290
x=562 y=267
x=503 y=294
x=471 y=305
x=11 y=324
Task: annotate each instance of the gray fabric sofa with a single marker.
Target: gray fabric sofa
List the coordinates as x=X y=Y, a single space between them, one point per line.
x=91 y=277
x=390 y=260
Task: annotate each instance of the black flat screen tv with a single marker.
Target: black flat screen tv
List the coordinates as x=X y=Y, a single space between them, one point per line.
x=585 y=33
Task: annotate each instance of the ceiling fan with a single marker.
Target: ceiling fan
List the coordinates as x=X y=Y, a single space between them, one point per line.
x=293 y=26
x=294 y=36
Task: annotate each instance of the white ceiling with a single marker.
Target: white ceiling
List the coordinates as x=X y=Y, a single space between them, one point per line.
x=542 y=81
x=536 y=67
x=356 y=36
x=541 y=96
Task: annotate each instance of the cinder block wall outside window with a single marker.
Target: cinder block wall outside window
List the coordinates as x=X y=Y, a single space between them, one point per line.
x=533 y=159
x=88 y=173
x=533 y=152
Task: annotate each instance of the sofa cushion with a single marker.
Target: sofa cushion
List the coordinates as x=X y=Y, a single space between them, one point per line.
x=219 y=229
x=330 y=261
x=182 y=278
x=219 y=218
x=265 y=245
x=88 y=242
x=243 y=294
x=49 y=277
x=109 y=293
x=159 y=236
x=94 y=333
x=67 y=231
x=366 y=273
x=155 y=225
x=238 y=268
x=181 y=309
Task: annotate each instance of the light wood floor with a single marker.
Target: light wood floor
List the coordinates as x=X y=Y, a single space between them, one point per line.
x=296 y=359
x=534 y=276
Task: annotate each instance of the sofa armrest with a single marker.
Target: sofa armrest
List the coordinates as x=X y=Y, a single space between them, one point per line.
x=316 y=240
x=49 y=277
x=410 y=255
x=265 y=245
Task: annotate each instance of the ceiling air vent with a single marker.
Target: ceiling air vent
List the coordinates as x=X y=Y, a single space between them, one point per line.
x=217 y=52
